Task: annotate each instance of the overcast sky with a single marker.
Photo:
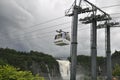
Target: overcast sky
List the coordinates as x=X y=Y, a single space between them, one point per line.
x=29 y=25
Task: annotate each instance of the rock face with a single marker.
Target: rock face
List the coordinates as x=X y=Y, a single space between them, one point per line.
x=36 y=62
x=48 y=73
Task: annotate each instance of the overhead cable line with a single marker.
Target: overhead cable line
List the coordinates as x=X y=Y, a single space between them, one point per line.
x=47 y=32
x=43 y=34
x=47 y=27
x=43 y=28
x=16 y=38
x=45 y=22
x=50 y=27
x=23 y=35
x=54 y=20
x=111 y=6
x=51 y=20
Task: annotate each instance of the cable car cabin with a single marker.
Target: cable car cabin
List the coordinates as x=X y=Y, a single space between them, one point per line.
x=62 y=39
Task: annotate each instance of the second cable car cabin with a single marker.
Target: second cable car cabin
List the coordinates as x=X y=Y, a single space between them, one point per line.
x=62 y=38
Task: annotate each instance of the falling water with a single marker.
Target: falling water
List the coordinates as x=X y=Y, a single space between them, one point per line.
x=64 y=69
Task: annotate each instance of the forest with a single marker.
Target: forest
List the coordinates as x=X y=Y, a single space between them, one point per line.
x=85 y=62
x=36 y=63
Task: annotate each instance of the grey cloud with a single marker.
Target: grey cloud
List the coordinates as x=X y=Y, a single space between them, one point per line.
x=16 y=17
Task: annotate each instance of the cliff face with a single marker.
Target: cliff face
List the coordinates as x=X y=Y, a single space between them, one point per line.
x=36 y=62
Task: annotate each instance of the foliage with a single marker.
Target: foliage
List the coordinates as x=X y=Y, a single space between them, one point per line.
x=3 y=62
x=116 y=71
x=10 y=73
x=84 y=61
x=33 y=61
x=116 y=54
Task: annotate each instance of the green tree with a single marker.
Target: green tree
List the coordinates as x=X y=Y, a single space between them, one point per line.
x=116 y=71
x=11 y=73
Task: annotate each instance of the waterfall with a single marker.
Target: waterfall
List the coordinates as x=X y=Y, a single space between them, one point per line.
x=64 y=69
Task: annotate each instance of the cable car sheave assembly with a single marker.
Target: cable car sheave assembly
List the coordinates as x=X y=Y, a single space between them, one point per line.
x=62 y=38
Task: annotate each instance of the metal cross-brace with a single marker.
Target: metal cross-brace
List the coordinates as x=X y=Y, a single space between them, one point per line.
x=110 y=24
x=89 y=19
x=80 y=10
x=97 y=8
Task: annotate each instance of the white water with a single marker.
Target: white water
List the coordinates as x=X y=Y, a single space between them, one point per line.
x=64 y=69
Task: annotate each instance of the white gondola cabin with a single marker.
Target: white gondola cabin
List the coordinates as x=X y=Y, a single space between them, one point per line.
x=62 y=38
